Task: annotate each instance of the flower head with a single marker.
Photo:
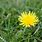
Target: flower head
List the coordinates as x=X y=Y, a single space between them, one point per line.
x=28 y=19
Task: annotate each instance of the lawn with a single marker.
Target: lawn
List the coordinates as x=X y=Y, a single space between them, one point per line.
x=10 y=28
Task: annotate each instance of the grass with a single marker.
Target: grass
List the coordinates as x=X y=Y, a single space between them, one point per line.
x=10 y=30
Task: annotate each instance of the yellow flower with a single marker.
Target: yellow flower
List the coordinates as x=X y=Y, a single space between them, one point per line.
x=28 y=19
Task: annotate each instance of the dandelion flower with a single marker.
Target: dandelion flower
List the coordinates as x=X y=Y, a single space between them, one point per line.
x=28 y=19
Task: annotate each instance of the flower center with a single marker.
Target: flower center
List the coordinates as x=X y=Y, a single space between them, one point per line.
x=28 y=20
